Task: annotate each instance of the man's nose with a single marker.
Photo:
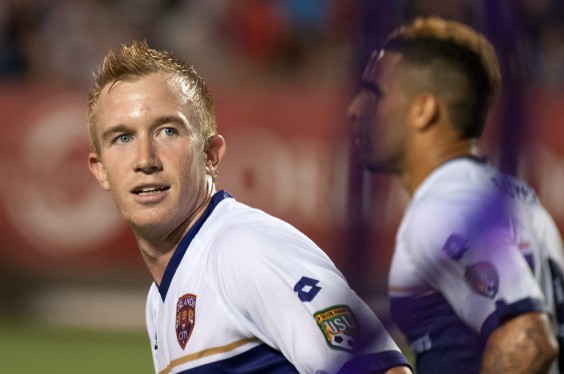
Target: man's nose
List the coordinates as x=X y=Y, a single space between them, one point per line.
x=147 y=157
x=354 y=107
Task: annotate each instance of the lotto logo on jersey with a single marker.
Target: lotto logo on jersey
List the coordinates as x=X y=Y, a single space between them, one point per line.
x=339 y=326
x=456 y=246
x=185 y=318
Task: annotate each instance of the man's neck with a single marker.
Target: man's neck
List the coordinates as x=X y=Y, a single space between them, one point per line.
x=158 y=245
x=421 y=166
x=157 y=252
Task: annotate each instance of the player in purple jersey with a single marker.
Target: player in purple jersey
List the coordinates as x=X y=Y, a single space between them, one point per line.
x=461 y=286
x=235 y=289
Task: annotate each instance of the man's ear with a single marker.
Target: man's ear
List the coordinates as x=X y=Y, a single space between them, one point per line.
x=424 y=110
x=215 y=149
x=97 y=168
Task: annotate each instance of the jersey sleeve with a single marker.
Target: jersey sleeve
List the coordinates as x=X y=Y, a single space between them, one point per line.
x=288 y=293
x=470 y=253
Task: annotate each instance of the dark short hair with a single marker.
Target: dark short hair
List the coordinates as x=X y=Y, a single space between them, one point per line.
x=453 y=50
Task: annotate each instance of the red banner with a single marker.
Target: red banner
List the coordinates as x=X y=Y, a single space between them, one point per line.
x=287 y=153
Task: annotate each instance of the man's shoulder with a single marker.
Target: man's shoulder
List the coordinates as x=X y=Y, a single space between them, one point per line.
x=236 y=230
x=444 y=210
x=235 y=219
x=236 y=213
x=455 y=191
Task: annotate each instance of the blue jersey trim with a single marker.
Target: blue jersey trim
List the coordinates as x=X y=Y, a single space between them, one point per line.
x=432 y=313
x=439 y=338
x=185 y=243
x=377 y=363
x=265 y=359
x=504 y=312
x=259 y=360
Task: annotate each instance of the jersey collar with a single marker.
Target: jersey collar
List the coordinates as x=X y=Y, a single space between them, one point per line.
x=185 y=243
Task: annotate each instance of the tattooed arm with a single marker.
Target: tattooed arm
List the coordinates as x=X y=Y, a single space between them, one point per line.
x=399 y=370
x=524 y=344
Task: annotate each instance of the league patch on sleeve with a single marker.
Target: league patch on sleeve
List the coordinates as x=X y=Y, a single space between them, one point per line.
x=339 y=325
x=185 y=318
x=483 y=278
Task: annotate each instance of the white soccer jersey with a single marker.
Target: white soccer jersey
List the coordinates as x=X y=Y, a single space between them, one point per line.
x=462 y=263
x=245 y=292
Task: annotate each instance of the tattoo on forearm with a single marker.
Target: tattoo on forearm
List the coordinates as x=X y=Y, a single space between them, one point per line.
x=525 y=356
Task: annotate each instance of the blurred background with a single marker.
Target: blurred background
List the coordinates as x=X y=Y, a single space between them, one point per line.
x=72 y=283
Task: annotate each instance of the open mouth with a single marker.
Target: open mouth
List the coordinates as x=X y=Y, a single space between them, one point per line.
x=150 y=190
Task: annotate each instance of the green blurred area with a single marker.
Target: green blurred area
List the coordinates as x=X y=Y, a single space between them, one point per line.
x=27 y=348
x=32 y=348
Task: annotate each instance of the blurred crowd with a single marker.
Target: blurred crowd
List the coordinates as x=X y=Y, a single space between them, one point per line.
x=64 y=40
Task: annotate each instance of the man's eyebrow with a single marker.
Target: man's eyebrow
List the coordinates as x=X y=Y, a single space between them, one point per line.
x=371 y=87
x=168 y=119
x=108 y=133
x=173 y=119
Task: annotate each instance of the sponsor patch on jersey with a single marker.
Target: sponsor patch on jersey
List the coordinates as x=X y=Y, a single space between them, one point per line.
x=339 y=325
x=483 y=278
x=185 y=318
x=456 y=246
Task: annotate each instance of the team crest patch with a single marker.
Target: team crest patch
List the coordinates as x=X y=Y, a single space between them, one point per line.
x=339 y=326
x=483 y=278
x=185 y=318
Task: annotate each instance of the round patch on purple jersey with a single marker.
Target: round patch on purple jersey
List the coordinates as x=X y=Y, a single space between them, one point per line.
x=483 y=278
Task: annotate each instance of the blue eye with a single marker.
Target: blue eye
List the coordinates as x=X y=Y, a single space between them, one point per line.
x=124 y=138
x=169 y=131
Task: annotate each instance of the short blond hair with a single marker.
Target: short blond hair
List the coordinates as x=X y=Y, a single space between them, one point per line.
x=137 y=60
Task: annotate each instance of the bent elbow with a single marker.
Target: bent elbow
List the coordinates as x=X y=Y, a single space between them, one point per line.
x=553 y=351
